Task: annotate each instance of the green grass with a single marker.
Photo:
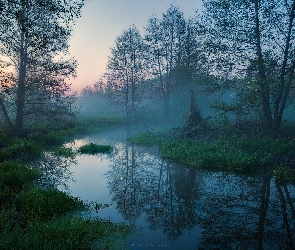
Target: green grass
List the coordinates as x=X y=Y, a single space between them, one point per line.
x=64 y=233
x=38 y=204
x=222 y=151
x=14 y=177
x=93 y=148
x=147 y=139
x=35 y=218
x=211 y=155
x=20 y=149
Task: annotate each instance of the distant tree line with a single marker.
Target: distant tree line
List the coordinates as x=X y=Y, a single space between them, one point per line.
x=245 y=48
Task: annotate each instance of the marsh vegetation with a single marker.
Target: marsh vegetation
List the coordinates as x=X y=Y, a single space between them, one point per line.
x=214 y=93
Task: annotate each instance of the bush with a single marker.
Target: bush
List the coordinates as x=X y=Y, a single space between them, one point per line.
x=14 y=177
x=93 y=148
x=21 y=149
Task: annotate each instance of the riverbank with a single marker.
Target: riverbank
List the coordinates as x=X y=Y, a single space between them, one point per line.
x=228 y=150
x=36 y=218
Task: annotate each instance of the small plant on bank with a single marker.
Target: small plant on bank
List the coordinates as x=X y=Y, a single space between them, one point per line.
x=93 y=148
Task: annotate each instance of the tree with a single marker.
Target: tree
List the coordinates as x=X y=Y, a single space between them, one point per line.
x=253 y=33
x=34 y=34
x=126 y=65
x=165 y=40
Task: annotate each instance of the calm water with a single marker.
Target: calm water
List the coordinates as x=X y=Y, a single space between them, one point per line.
x=175 y=207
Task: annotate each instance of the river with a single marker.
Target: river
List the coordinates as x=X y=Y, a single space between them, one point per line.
x=176 y=207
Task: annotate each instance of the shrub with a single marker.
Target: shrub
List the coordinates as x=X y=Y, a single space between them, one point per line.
x=14 y=177
x=93 y=148
x=20 y=149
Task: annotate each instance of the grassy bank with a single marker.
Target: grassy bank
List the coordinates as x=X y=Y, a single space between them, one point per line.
x=36 y=218
x=31 y=145
x=225 y=150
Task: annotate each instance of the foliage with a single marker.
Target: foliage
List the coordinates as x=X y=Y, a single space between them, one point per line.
x=14 y=177
x=284 y=174
x=20 y=149
x=93 y=148
x=34 y=33
x=126 y=66
x=62 y=151
x=250 y=43
x=224 y=148
x=64 y=233
x=44 y=205
x=146 y=71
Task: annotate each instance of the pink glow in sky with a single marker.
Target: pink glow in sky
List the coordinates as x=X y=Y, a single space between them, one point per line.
x=102 y=21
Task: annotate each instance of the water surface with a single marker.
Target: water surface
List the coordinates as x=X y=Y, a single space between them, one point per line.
x=176 y=207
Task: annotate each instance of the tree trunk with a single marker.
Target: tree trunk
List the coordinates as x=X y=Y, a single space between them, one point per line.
x=283 y=91
x=264 y=88
x=285 y=217
x=133 y=89
x=6 y=116
x=21 y=89
x=265 y=192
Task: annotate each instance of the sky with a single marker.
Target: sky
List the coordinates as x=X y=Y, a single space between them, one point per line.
x=102 y=21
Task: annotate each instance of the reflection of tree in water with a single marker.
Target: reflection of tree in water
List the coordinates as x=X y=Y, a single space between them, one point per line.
x=234 y=212
x=143 y=183
x=55 y=170
x=247 y=213
x=174 y=206
x=128 y=183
